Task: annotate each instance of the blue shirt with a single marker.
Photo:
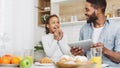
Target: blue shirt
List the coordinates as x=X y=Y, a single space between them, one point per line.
x=110 y=37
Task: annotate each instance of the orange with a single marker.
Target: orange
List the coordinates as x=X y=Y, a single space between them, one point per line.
x=0 y=60
x=20 y=58
x=15 y=60
x=4 y=60
x=8 y=55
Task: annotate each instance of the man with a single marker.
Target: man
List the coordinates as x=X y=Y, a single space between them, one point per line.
x=104 y=33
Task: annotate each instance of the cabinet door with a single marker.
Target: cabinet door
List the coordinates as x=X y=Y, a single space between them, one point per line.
x=44 y=10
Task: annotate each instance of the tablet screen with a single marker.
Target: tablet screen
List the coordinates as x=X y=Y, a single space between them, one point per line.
x=85 y=44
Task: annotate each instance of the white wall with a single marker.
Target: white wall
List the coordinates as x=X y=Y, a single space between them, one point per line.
x=6 y=20
x=72 y=32
x=17 y=19
x=24 y=21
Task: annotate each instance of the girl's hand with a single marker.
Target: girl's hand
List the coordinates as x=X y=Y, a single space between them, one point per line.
x=58 y=34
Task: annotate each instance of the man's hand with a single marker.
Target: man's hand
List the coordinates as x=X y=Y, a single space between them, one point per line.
x=114 y=56
x=77 y=51
x=99 y=44
x=58 y=34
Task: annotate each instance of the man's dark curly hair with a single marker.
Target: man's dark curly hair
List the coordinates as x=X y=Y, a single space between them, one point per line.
x=98 y=4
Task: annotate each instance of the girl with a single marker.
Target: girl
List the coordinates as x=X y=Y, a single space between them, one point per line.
x=54 y=42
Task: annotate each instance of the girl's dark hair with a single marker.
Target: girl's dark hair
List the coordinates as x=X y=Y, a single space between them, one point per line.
x=47 y=22
x=98 y=4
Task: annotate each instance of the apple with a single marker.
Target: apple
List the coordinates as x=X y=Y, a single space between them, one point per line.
x=30 y=58
x=25 y=63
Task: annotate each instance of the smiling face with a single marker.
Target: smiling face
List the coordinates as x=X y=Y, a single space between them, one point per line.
x=53 y=24
x=90 y=12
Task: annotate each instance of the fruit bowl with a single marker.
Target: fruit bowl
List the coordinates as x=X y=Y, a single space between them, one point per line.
x=9 y=65
x=83 y=65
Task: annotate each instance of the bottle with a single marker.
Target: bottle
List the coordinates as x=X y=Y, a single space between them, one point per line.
x=109 y=15
x=113 y=10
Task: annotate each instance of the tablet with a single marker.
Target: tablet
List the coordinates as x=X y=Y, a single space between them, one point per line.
x=85 y=44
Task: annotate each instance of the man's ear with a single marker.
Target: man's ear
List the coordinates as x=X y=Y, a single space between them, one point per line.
x=98 y=11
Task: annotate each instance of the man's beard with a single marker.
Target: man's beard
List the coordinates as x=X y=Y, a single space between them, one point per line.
x=92 y=18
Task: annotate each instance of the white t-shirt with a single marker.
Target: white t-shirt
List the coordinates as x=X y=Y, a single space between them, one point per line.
x=52 y=48
x=96 y=34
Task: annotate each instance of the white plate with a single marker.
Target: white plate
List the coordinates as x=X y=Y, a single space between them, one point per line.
x=39 y=64
x=105 y=65
x=10 y=65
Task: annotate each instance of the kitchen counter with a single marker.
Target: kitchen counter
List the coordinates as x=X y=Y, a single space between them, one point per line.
x=48 y=67
x=54 y=67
